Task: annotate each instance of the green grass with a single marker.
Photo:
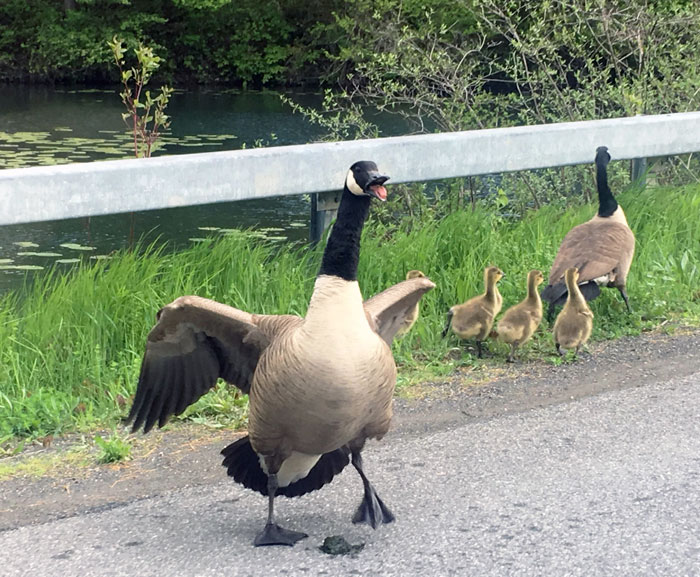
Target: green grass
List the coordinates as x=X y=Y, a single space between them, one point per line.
x=113 y=449
x=71 y=345
x=41 y=465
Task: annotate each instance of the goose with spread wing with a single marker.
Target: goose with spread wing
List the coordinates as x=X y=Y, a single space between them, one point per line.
x=319 y=386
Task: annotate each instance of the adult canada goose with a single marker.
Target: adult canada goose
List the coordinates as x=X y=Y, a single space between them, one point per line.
x=575 y=321
x=319 y=386
x=412 y=315
x=601 y=249
x=474 y=318
x=520 y=321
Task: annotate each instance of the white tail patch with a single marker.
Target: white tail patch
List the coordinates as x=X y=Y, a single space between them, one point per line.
x=295 y=467
x=352 y=185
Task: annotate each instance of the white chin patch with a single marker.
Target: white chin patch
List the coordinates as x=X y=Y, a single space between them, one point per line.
x=352 y=185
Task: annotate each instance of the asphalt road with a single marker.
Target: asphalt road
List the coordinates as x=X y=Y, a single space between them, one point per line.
x=604 y=485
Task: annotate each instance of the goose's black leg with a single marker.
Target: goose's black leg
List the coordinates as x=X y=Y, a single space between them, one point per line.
x=623 y=292
x=372 y=510
x=273 y=534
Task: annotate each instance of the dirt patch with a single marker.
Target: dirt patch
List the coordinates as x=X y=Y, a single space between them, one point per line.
x=183 y=456
x=609 y=365
x=189 y=455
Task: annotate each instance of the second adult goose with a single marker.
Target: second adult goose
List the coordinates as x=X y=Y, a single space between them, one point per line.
x=601 y=249
x=319 y=386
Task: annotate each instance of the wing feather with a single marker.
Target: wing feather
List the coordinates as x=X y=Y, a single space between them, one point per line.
x=596 y=248
x=195 y=342
x=387 y=310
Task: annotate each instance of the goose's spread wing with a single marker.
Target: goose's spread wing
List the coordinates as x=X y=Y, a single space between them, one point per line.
x=387 y=310
x=595 y=248
x=195 y=342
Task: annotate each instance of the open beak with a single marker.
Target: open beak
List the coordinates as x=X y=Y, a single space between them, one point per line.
x=375 y=186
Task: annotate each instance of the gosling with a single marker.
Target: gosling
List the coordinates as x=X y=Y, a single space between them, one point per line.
x=575 y=321
x=474 y=318
x=412 y=315
x=520 y=322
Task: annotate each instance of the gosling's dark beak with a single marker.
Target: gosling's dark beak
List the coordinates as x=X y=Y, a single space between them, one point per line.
x=375 y=186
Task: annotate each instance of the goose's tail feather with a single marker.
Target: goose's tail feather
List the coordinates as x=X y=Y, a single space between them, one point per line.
x=557 y=294
x=243 y=464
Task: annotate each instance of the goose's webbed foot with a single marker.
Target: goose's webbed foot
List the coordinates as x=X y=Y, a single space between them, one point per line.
x=273 y=534
x=372 y=510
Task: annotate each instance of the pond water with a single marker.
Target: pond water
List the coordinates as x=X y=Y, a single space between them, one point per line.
x=42 y=125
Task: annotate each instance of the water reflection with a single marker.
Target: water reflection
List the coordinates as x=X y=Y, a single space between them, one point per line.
x=41 y=125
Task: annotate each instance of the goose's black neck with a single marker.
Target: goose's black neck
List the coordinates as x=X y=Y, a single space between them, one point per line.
x=606 y=201
x=342 y=253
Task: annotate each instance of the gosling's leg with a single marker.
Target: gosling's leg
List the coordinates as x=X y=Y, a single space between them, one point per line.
x=559 y=351
x=372 y=510
x=623 y=292
x=479 y=349
x=447 y=324
x=550 y=313
x=511 y=356
x=273 y=534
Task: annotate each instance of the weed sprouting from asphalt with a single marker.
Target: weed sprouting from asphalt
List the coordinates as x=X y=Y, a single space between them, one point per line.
x=113 y=449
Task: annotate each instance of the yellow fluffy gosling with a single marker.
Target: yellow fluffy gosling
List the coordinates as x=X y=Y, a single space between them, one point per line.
x=474 y=318
x=520 y=322
x=575 y=321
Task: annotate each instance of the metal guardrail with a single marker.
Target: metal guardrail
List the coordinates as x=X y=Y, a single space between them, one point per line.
x=87 y=189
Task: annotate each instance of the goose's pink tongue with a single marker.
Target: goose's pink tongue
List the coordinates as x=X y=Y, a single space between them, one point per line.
x=380 y=191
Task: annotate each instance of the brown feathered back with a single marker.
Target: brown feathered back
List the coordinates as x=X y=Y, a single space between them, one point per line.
x=596 y=248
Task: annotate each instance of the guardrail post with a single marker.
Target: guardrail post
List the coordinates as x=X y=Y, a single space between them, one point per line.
x=324 y=207
x=638 y=171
